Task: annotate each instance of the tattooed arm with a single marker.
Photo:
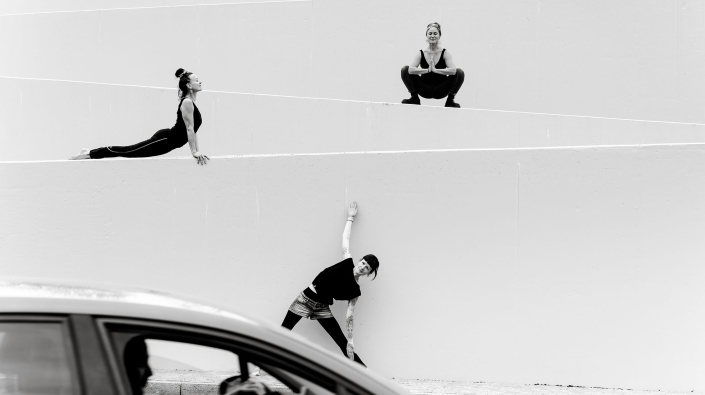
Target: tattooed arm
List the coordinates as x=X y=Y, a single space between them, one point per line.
x=352 y=211
x=349 y=324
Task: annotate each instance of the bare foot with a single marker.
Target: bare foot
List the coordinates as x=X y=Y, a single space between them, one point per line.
x=84 y=154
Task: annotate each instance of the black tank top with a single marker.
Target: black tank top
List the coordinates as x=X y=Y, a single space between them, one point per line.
x=179 y=129
x=433 y=78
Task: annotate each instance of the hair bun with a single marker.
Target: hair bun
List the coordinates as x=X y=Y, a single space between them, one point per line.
x=179 y=73
x=434 y=24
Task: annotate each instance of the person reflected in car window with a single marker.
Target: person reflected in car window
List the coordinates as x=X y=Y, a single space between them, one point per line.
x=136 y=364
x=339 y=282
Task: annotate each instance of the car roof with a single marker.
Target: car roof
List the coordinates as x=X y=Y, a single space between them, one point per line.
x=70 y=298
x=21 y=296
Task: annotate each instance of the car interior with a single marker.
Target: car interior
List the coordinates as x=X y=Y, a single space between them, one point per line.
x=255 y=372
x=40 y=356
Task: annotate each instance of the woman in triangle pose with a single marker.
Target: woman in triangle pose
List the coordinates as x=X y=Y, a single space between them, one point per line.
x=340 y=282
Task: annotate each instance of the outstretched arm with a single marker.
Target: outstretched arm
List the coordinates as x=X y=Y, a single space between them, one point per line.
x=352 y=211
x=349 y=324
x=187 y=115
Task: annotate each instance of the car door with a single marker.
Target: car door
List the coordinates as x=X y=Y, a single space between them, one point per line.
x=177 y=352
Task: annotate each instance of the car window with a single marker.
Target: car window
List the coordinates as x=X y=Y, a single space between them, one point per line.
x=193 y=364
x=269 y=374
x=171 y=355
x=172 y=361
x=36 y=358
x=181 y=362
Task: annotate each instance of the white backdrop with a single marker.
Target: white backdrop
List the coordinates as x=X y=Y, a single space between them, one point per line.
x=54 y=120
x=558 y=265
x=626 y=59
x=569 y=266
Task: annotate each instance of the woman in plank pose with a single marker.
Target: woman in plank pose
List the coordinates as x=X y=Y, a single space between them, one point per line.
x=188 y=120
x=340 y=282
x=432 y=73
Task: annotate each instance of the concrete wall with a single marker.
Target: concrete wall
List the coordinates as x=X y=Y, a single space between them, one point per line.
x=569 y=266
x=145 y=46
x=9 y=7
x=627 y=59
x=561 y=265
x=49 y=120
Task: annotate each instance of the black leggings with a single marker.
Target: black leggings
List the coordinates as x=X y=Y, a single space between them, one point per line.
x=162 y=142
x=330 y=325
x=414 y=83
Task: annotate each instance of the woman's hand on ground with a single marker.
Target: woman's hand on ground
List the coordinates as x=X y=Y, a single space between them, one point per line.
x=202 y=159
x=351 y=350
x=352 y=209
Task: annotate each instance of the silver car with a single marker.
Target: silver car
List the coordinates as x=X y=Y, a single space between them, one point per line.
x=68 y=339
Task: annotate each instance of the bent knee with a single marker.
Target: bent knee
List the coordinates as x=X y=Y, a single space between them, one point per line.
x=459 y=71
x=405 y=70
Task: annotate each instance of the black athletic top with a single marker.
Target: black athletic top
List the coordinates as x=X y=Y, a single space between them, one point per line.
x=433 y=78
x=335 y=282
x=179 y=129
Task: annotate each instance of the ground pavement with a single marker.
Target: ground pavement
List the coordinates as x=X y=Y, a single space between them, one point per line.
x=187 y=382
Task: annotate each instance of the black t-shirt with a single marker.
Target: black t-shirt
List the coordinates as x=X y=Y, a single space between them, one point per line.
x=336 y=282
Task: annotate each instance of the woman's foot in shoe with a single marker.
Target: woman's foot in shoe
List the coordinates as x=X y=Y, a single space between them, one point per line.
x=84 y=154
x=450 y=102
x=412 y=100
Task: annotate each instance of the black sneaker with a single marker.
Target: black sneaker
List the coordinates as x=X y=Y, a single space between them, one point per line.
x=412 y=100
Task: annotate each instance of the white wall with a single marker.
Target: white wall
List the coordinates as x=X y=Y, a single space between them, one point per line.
x=54 y=120
x=145 y=46
x=569 y=266
x=8 y=7
x=574 y=265
x=626 y=59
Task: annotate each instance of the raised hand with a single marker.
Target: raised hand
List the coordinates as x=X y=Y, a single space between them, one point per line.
x=352 y=209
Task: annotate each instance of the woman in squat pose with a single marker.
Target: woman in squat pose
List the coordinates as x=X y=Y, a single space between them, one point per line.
x=188 y=120
x=340 y=282
x=432 y=73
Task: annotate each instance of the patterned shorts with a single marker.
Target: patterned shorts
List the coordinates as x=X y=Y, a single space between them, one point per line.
x=309 y=308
